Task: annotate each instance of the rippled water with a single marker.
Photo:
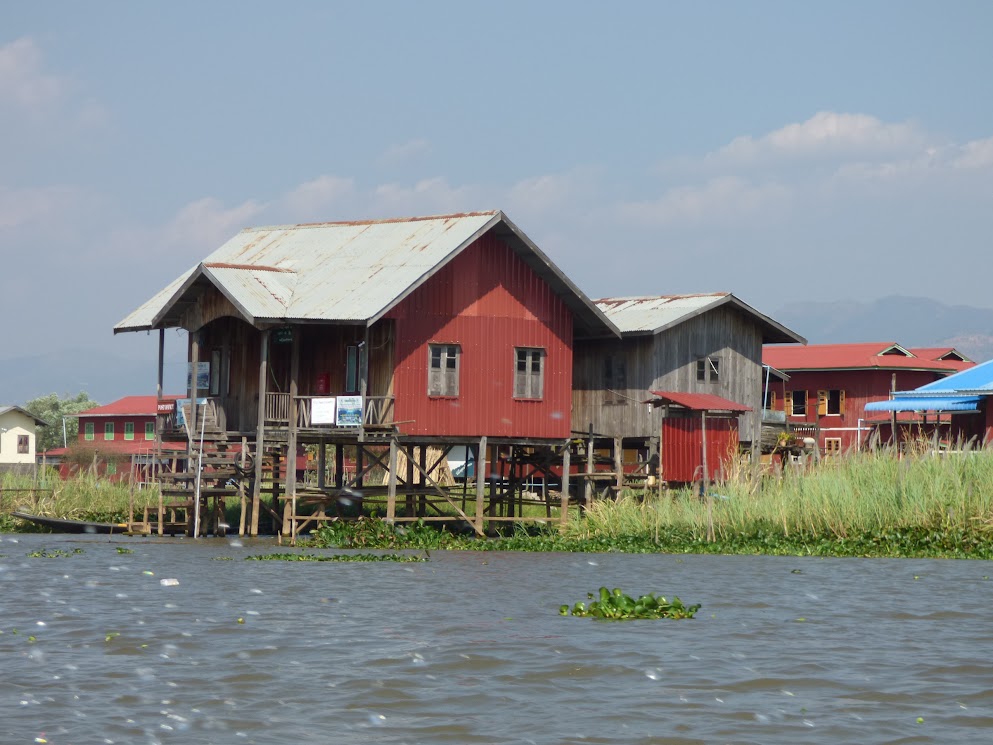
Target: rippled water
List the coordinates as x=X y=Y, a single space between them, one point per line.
x=469 y=648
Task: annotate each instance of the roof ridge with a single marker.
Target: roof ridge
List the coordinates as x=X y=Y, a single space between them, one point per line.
x=379 y=221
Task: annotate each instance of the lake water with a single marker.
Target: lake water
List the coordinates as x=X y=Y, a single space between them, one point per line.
x=469 y=648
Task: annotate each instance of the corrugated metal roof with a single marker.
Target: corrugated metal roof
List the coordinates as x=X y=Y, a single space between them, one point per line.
x=860 y=356
x=128 y=406
x=25 y=412
x=978 y=378
x=698 y=401
x=346 y=271
x=926 y=403
x=656 y=313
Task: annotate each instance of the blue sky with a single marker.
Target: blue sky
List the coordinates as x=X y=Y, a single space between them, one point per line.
x=779 y=150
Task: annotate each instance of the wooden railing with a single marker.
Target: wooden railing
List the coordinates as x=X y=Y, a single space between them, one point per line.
x=277 y=408
x=377 y=411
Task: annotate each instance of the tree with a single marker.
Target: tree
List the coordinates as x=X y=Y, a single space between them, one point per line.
x=55 y=410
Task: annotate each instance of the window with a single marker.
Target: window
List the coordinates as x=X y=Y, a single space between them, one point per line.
x=443 y=369
x=352 y=370
x=770 y=400
x=708 y=369
x=111 y=467
x=615 y=380
x=88 y=431
x=529 y=372
x=831 y=403
x=149 y=430
x=832 y=446
x=796 y=403
x=128 y=430
x=215 y=376
x=23 y=441
x=108 y=431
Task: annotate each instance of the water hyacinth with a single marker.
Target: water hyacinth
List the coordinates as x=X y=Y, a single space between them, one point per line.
x=614 y=605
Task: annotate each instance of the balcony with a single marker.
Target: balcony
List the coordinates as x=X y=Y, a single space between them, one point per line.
x=376 y=412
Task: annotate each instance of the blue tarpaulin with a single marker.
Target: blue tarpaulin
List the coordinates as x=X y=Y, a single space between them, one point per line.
x=926 y=403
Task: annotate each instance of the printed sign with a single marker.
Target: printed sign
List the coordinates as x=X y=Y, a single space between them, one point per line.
x=203 y=375
x=322 y=410
x=349 y=411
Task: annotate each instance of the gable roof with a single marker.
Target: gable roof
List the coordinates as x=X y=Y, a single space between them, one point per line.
x=8 y=409
x=949 y=355
x=127 y=406
x=646 y=315
x=861 y=356
x=977 y=379
x=347 y=272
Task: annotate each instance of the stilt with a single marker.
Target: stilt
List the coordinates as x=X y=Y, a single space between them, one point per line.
x=480 y=483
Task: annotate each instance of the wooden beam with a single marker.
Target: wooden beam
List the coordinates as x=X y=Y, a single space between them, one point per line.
x=391 y=498
x=260 y=433
x=566 y=466
x=480 y=483
x=291 y=439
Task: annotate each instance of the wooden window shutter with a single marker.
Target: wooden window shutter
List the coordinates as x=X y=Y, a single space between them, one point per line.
x=841 y=402
x=822 y=399
x=772 y=400
x=788 y=403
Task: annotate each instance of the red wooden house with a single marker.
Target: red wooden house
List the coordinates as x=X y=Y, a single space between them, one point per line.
x=118 y=440
x=453 y=329
x=829 y=386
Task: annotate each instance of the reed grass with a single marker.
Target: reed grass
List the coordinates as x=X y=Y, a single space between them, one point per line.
x=82 y=497
x=846 y=497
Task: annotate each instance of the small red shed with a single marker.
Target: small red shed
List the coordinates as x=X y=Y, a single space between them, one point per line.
x=699 y=435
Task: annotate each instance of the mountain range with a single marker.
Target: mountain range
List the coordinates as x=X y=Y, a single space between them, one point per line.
x=908 y=321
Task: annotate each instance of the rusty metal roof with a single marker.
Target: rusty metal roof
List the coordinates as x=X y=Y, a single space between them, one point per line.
x=653 y=314
x=697 y=401
x=349 y=272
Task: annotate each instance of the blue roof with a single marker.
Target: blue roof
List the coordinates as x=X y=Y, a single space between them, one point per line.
x=978 y=378
x=926 y=403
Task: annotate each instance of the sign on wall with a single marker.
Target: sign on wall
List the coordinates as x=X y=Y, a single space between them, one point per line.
x=203 y=375
x=323 y=410
x=349 y=411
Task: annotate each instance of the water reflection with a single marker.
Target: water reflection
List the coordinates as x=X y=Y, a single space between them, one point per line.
x=469 y=648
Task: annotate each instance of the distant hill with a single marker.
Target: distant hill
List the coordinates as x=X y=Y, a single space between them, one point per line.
x=909 y=321
x=105 y=377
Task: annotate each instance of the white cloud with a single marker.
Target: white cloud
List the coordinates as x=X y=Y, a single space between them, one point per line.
x=827 y=133
x=427 y=196
x=314 y=200
x=24 y=84
x=726 y=198
x=975 y=154
x=404 y=152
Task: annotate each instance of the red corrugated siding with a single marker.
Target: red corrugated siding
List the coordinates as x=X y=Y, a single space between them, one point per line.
x=488 y=301
x=682 y=447
x=860 y=387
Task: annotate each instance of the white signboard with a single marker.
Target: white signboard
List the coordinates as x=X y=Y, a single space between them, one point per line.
x=322 y=410
x=349 y=411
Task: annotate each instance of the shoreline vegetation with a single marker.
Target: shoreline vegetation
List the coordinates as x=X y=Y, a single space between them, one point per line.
x=872 y=504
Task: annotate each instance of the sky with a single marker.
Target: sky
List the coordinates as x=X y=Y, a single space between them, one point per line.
x=782 y=151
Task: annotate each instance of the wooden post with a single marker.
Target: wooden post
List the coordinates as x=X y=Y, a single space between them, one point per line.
x=291 y=444
x=588 y=491
x=705 y=492
x=564 y=497
x=158 y=389
x=480 y=483
x=339 y=465
x=322 y=464
x=391 y=498
x=241 y=486
x=619 y=464
x=260 y=432
x=893 y=438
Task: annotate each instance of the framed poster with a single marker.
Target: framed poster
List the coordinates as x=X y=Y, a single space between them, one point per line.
x=203 y=376
x=349 y=411
x=322 y=410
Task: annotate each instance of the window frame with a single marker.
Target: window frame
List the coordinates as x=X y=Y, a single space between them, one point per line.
x=832 y=446
x=108 y=431
x=708 y=369
x=444 y=380
x=149 y=430
x=24 y=444
x=352 y=368
x=128 y=430
x=829 y=399
x=527 y=380
x=89 y=431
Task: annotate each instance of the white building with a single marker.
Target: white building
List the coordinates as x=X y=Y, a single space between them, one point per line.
x=18 y=430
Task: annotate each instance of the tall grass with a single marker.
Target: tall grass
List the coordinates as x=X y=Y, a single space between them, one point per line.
x=83 y=497
x=853 y=496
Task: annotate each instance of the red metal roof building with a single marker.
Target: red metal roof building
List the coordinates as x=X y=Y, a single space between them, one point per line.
x=830 y=384
x=116 y=435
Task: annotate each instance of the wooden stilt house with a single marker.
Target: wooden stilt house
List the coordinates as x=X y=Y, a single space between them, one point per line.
x=684 y=344
x=377 y=336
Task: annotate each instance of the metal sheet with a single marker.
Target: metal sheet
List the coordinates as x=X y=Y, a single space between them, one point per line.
x=926 y=403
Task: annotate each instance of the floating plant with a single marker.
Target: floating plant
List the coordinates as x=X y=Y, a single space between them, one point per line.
x=336 y=557
x=55 y=554
x=616 y=606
